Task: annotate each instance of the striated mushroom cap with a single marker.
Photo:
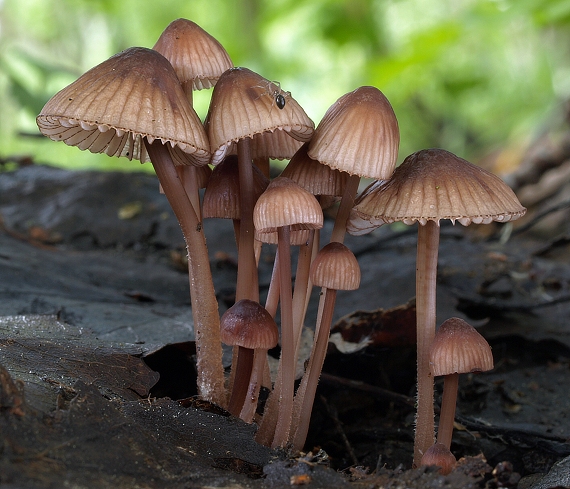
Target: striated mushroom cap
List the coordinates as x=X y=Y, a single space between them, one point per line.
x=434 y=184
x=459 y=348
x=359 y=134
x=284 y=203
x=313 y=176
x=198 y=59
x=132 y=95
x=335 y=267
x=246 y=105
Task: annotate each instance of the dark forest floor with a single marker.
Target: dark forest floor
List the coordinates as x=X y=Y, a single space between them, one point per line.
x=94 y=308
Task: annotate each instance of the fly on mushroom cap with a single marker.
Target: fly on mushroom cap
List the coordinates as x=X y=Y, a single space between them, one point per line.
x=431 y=185
x=284 y=203
x=359 y=134
x=196 y=56
x=112 y=107
x=459 y=348
x=243 y=106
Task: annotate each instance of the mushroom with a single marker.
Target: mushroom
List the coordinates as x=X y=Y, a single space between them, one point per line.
x=359 y=135
x=440 y=456
x=198 y=60
x=334 y=268
x=282 y=207
x=431 y=185
x=133 y=105
x=456 y=349
x=244 y=112
x=250 y=327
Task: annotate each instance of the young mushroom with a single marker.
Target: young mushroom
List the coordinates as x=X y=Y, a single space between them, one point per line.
x=133 y=105
x=431 y=185
x=440 y=456
x=456 y=349
x=248 y=326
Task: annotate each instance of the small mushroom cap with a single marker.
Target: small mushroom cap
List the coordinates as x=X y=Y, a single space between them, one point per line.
x=459 y=348
x=222 y=195
x=440 y=456
x=198 y=59
x=335 y=267
x=249 y=325
x=284 y=203
x=244 y=106
x=359 y=134
x=132 y=95
x=434 y=184
x=313 y=176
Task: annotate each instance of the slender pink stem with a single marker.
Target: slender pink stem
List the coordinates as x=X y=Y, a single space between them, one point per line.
x=306 y=393
x=204 y=303
x=426 y=274
x=244 y=365
x=247 y=280
x=447 y=413
x=346 y=204
x=255 y=381
x=287 y=340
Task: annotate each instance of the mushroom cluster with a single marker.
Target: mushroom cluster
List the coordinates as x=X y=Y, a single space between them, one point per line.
x=138 y=104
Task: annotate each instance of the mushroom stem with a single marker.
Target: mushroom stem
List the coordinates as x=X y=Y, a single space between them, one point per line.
x=247 y=280
x=346 y=204
x=204 y=303
x=426 y=273
x=189 y=179
x=306 y=393
x=447 y=412
x=244 y=367
x=287 y=340
x=252 y=396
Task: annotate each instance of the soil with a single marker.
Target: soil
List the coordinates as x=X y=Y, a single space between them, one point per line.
x=97 y=353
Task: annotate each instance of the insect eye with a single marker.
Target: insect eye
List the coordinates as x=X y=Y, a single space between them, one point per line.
x=280 y=100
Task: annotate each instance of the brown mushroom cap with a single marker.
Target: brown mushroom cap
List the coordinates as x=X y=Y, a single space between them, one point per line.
x=198 y=59
x=359 y=134
x=459 y=348
x=249 y=325
x=221 y=198
x=335 y=267
x=284 y=203
x=297 y=237
x=132 y=95
x=313 y=176
x=431 y=185
x=244 y=106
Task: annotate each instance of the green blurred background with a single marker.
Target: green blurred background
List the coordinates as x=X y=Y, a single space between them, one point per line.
x=471 y=76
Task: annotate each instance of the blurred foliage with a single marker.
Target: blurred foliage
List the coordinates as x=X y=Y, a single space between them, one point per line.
x=466 y=75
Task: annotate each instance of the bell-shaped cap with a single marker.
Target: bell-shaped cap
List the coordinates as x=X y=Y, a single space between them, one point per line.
x=434 y=184
x=359 y=134
x=132 y=95
x=222 y=195
x=313 y=176
x=198 y=59
x=335 y=267
x=440 y=456
x=246 y=105
x=284 y=203
x=459 y=348
x=249 y=325
x=297 y=237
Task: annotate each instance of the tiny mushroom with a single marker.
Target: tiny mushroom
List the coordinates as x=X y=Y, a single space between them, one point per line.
x=456 y=349
x=250 y=327
x=440 y=456
x=431 y=185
